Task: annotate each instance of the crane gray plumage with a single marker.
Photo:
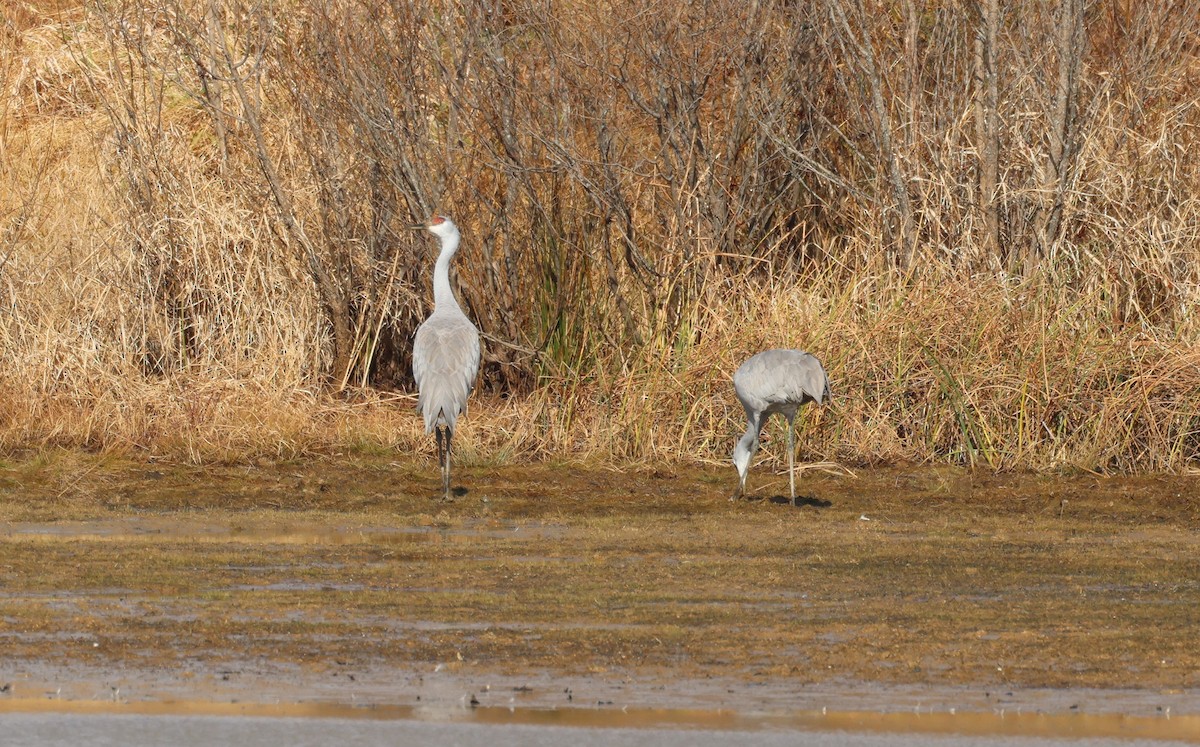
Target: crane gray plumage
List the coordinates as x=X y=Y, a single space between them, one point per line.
x=775 y=381
x=445 y=353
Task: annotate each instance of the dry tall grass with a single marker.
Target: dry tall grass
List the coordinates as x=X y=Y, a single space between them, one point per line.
x=985 y=221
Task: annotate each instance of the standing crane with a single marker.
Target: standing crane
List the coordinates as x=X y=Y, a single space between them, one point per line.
x=445 y=353
x=775 y=381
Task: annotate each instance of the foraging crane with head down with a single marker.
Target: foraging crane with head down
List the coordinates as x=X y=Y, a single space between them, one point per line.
x=775 y=381
x=445 y=353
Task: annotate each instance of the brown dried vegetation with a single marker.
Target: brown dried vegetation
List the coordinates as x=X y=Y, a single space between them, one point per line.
x=984 y=217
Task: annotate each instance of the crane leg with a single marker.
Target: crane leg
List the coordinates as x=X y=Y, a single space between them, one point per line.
x=443 y=434
x=791 y=447
x=446 y=470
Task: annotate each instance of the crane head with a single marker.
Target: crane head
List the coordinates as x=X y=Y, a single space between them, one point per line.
x=442 y=227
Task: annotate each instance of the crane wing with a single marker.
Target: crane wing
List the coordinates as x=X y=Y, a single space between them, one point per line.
x=445 y=363
x=780 y=377
x=806 y=379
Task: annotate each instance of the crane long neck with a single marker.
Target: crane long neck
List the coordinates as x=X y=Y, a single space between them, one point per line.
x=443 y=295
x=749 y=439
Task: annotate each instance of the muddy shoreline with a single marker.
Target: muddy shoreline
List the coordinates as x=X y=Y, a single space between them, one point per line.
x=345 y=583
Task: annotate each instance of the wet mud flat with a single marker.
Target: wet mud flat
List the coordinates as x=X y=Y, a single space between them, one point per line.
x=345 y=583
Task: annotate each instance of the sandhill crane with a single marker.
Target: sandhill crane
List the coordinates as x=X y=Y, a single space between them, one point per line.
x=445 y=353
x=775 y=381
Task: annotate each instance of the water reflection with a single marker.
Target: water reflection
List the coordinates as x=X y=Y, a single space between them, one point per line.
x=996 y=723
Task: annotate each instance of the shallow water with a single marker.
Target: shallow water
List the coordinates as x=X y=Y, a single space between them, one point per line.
x=577 y=727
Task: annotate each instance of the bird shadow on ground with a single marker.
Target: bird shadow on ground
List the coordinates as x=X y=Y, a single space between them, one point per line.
x=455 y=494
x=801 y=501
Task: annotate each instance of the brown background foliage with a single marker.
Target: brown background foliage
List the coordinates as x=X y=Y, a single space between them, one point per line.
x=982 y=216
